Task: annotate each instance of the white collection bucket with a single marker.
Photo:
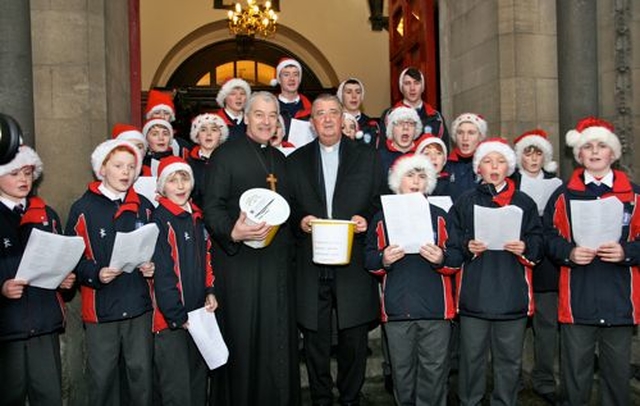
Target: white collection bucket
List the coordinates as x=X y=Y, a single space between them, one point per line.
x=332 y=241
x=264 y=205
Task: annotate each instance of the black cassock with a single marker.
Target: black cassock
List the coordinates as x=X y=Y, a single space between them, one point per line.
x=254 y=287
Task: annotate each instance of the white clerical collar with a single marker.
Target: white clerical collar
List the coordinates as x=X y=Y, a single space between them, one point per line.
x=330 y=148
x=234 y=117
x=606 y=179
x=109 y=194
x=287 y=101
x=11 y=203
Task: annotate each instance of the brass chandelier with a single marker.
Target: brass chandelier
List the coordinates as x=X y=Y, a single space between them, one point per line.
x=253 y=19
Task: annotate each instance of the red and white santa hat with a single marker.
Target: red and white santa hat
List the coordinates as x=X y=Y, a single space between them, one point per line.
x=412 y=162
x=428 y=139
x=25 y=156
x=535 y=138
x=127 y=132
x=344 y=82
x=103 y=150
x=350 y=117
x=157 y=121
x=208 y=118
x=283 y=63
x=167 y=167
x=496 y=144
x=404 y=72
x=157 y=100
x=228 y=86
x=403 y=114
x=593 y=129
x=472 y=118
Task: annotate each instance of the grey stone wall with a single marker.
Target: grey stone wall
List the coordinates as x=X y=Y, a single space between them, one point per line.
x=498 y=59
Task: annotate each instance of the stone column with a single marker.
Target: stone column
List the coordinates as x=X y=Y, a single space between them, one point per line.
x=577 y=68
x=16 y=74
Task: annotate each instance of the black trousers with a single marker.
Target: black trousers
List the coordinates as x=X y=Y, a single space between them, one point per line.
x=351 y=353
x=31 y=369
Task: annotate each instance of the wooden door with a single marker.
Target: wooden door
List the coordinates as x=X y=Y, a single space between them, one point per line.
x=412 y=42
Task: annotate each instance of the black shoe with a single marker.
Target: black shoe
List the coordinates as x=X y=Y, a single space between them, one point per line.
x=549 y=397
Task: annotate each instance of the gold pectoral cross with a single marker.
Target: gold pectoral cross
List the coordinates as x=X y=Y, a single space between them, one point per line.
x=272 y=180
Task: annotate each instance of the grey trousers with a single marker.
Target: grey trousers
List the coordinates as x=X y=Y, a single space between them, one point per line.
x=577 y=347
x=181 y=370
x=419 y=354
x=545 y=342
x=31 y=369
x=105 y=343
x=505 y=339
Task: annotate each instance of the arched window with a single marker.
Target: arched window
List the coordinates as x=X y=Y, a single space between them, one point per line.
x=254 y=62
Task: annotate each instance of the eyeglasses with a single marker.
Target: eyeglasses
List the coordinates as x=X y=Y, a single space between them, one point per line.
x=407 y=123
x=324 y=113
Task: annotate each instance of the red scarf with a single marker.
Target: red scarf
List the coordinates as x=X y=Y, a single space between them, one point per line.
x=504 y=198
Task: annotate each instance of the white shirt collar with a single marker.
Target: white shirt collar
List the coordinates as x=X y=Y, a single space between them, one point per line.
x=287 y=101
x=11 y=204
x=237 y=118
x=606 y=179
x=109 y=194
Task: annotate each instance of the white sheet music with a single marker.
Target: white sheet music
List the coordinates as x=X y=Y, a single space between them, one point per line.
x=497 y=226
x=595 y=222
x=146 y=186
x=132 y=249
x=444 y=202
x=408 y=221
x=203 y=327
x=48 y=258
x=540 y=190
x=300 y=133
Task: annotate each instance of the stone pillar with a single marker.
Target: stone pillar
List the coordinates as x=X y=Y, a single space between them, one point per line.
x=577 y=68
x=16 y=74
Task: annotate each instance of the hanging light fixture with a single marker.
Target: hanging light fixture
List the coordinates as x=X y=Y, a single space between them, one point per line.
x=253 y=19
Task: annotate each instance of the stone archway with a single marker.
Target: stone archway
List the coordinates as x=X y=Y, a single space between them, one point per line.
x=215 y=32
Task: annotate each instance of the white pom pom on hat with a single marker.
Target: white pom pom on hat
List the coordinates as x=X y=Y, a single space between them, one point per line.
x=26 y=156
x=167 y=167
x=496 y=144
x=104 y=149
x=593 y=129
x=535 y=138
x=408 y=162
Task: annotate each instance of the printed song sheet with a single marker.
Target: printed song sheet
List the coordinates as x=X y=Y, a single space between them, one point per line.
x=300 y=133
x=203 y=327
x=497 y=226
x=132 y=249
x=408 y=221
x=146 y=186
x=540 y=190
x=595 y=222
x=49 y=258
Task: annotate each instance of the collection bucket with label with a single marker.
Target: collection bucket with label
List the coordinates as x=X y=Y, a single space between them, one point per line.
x=332 y=241
x=264 y=205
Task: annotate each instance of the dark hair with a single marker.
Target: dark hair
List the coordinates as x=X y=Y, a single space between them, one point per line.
x=414 y=73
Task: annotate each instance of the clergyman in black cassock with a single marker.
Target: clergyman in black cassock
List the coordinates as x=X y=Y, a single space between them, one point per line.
x=254 y=287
